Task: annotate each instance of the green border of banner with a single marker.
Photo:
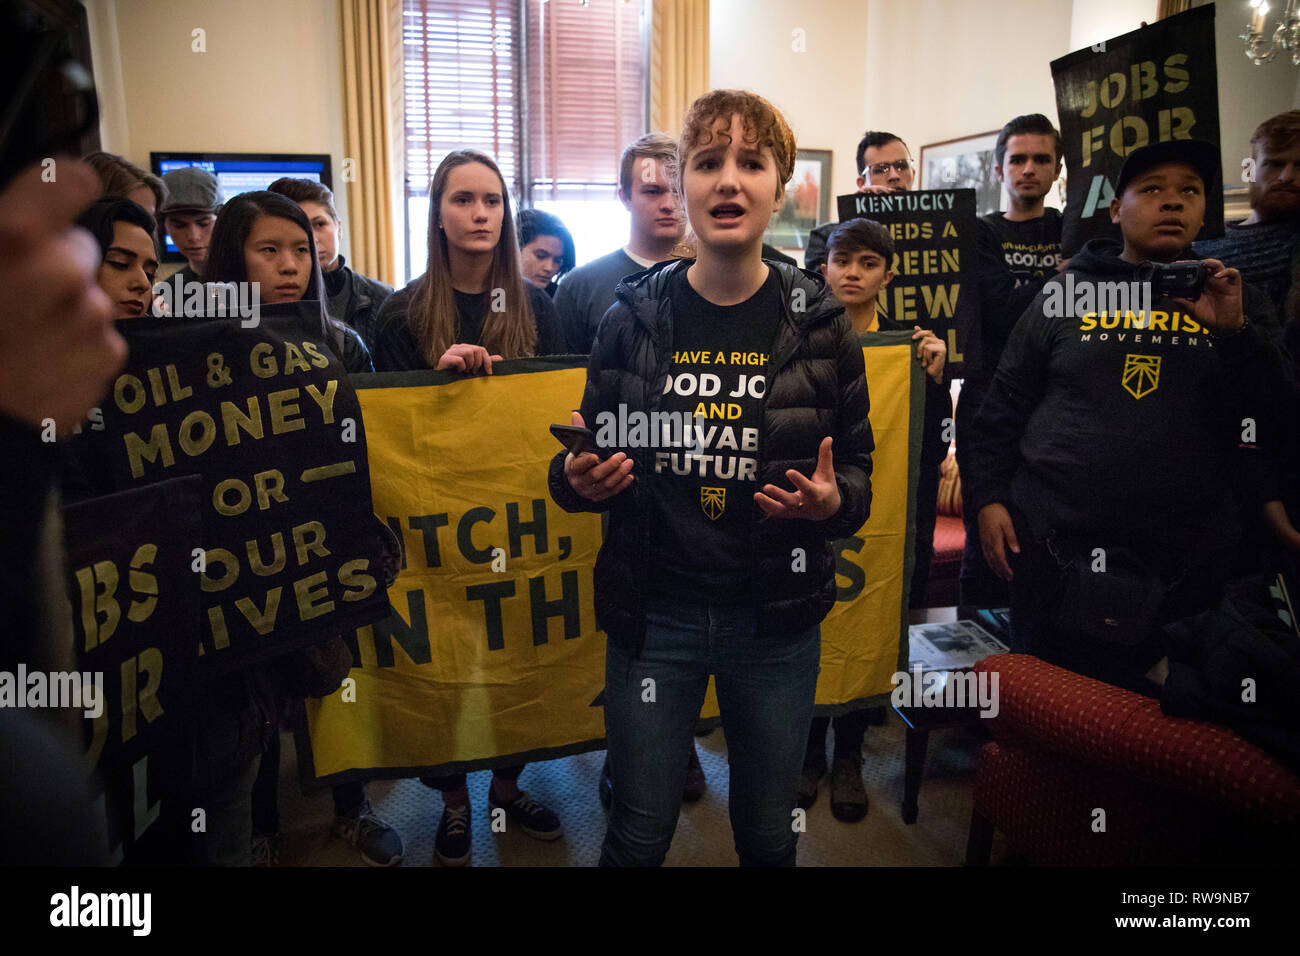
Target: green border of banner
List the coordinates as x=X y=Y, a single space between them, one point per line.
x=915 y=435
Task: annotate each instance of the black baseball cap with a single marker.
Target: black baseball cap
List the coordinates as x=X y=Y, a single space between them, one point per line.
x=1200 y=154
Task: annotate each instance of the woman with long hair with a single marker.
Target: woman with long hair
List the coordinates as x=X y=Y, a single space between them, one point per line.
x=470 y=308
x=266 y=238
x=717 y=558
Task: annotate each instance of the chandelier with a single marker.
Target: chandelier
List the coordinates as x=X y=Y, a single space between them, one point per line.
x=1286 y=36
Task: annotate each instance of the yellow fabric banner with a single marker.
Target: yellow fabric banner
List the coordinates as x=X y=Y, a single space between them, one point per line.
x=491 y=655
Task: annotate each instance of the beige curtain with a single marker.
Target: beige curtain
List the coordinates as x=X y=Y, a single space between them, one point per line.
x=679 y=60
x=1167 y=8
x=367 y=136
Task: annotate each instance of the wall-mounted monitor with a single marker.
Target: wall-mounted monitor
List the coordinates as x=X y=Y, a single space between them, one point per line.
x=242 y=172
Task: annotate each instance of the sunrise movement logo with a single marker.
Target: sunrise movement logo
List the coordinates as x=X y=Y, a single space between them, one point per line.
x=1141 y=374
x=713 y=501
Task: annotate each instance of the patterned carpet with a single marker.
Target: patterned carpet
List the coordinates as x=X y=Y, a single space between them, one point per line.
x=703 y=837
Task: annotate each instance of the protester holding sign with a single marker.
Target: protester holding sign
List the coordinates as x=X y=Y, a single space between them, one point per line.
x=352 y=298
x=718 y=560
x=267 y=237
x=1019 y=250
x=1113 y=408
x=885 y=165
x=861 y=252
x=471 y=307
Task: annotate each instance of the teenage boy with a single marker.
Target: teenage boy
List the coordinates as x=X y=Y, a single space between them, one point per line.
x=586 y=293
x=353 y=299
x=884 y=166
x=1262 y=244
x=861 y=252
x=1100 y=438
x=1017 y=251
x=194 y=198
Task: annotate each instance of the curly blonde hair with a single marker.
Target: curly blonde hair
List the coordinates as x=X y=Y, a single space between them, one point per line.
x=761 y=121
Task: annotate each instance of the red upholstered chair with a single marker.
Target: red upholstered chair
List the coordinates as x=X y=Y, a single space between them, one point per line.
x=1173 y=791
x=949 y=538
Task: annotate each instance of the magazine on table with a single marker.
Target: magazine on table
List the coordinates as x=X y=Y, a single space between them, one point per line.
x=950 y=646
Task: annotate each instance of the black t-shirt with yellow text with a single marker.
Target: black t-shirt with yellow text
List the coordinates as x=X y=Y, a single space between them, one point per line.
x=706 y=454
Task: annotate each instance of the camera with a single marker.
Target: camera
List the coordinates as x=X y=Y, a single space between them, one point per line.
x=1181 y=280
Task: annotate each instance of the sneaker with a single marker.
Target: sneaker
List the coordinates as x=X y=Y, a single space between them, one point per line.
x=533 y=818
x=266 y=849
x=695 y=782
x=605 y=789
x=377 y=842
x=451 y=845
x=848 y=795
x=809 y=778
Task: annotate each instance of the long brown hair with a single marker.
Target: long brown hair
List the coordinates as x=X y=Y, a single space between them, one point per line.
x=433 y=318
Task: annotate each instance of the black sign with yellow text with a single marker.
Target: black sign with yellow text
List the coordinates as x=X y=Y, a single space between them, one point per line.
x=290 y=549
x=934 y=256
x=135 y=610
x=1154 y=84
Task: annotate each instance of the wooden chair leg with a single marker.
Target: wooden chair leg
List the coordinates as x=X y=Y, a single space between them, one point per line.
x=913 y=769
x=980 y=842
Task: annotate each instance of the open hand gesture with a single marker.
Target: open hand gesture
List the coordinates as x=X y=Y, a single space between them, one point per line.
x=814 y=499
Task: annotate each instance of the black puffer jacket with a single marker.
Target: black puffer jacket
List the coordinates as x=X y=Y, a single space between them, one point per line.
x=816 y=386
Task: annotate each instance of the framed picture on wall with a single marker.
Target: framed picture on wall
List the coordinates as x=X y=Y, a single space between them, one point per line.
x=807 y=200
x=965 y=163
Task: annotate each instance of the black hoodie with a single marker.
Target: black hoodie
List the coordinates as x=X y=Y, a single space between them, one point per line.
x=1115 y=428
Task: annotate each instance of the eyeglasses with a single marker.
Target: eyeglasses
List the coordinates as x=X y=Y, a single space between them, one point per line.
x=879 y=169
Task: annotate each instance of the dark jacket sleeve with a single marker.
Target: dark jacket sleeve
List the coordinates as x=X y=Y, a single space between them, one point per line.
x=355 y=357
x=550 y=336
x=853 y=443
x=393 y=347
x=571 y=317
x=597 y=396
x=1262 y=390
x=1016 y=389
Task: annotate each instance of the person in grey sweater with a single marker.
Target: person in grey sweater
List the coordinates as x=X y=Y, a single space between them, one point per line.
x=586 y=293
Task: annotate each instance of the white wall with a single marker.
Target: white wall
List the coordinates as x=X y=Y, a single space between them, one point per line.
x=269 y=80
x=1248 y=94
x=752 y=46
x=928 y=70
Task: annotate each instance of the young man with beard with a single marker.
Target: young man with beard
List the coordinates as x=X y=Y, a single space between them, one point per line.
x=1018 y=250
x=1261 y=246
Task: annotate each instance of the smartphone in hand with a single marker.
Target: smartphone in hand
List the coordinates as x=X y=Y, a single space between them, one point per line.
x=578 y=440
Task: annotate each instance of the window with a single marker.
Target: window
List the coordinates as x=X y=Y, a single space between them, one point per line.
x=477 y=73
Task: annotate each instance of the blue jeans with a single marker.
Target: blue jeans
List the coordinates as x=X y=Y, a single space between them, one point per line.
x=765 y=693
